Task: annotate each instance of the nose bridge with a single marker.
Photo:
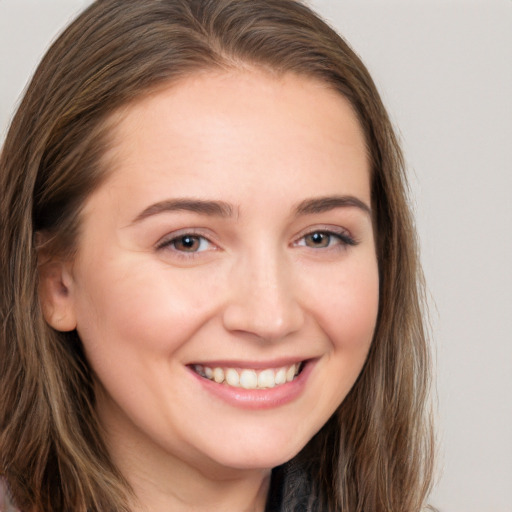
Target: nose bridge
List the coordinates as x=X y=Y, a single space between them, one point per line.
x=263 y=301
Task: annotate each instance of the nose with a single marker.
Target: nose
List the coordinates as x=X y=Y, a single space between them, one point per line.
x=263 y=300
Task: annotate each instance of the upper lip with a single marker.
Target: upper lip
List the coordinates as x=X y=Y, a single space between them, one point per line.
x=254 y=365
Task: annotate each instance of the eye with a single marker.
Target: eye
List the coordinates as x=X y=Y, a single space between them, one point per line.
x=186 y=243
x=324 y=239
x=318 y=239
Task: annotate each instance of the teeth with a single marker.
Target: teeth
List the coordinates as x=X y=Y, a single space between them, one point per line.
x=266 y=379
x=218 y=375
x=290 y=373
x=232 y=377
x=280 y=376
x=249 y=379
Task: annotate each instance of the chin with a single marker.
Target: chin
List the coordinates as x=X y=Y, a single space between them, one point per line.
x=266 y=454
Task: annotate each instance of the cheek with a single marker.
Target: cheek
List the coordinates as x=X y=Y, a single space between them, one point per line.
x=345 y=309
x=348 y=306
x=124 y=310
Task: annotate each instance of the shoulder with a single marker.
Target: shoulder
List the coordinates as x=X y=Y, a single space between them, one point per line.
x=5 y=503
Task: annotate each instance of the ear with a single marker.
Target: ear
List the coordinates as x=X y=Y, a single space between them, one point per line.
x=55 y=286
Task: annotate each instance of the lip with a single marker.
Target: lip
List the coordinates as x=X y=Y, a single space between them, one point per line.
x=257 y=399
x=251 y=365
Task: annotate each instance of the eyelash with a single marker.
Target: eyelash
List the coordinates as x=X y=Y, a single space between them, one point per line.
x=342 y=236
x=171 y=241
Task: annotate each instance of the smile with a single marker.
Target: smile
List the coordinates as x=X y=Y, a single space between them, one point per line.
x=249 y=378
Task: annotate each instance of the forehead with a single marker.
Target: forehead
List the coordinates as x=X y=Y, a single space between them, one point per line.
x=248 y=126
x=242 y=93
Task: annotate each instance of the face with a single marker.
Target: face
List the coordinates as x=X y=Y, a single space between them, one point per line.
x=226 y=282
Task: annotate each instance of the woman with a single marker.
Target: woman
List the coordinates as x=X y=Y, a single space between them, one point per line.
x=211 y=298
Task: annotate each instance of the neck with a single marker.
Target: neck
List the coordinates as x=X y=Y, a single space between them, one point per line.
x=191 y=490
x=163 y=484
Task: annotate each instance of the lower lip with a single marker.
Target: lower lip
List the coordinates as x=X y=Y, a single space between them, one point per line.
x=258 y=398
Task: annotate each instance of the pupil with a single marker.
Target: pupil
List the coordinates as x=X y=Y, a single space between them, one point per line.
x=188 y=242
x=318 y=238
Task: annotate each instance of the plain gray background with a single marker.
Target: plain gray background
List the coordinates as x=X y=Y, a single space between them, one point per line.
x=445 y=72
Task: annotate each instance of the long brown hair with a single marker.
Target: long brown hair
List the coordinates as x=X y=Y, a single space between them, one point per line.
x=375 y=453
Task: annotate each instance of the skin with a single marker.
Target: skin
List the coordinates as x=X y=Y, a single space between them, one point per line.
x=255 y=288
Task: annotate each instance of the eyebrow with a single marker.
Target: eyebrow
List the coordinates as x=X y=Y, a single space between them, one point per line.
x=200 y=206
x=325 y=204
x=223 y=209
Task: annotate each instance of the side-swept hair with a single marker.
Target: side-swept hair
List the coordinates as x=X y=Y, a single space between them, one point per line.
x=375 y=453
